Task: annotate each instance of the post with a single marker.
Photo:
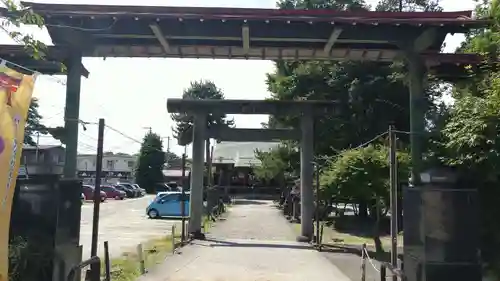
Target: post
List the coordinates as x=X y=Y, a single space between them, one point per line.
x=183 y=195
x=306 y=178
x=97 y=189
x=37 y=147
x=197 y=167
x=417 y=114
x=363 y=262
x=318 y=241
x=97 y=196
x=168 y=151
x=107 y=263
x=140 y=256
x=173 y=238
x=383 y=272
x=393 y=198
x=72 y=113
x=207 y=157
x=209 y=166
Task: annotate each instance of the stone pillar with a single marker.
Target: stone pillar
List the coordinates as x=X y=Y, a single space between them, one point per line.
x=417 y=74
x=197 y=169
x=306 y=178
x=72 y=113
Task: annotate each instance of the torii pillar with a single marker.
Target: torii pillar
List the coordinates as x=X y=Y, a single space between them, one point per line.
x=197 y=169
x=306 y=177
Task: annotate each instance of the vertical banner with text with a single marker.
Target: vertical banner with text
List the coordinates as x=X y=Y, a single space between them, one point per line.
x=16 y=90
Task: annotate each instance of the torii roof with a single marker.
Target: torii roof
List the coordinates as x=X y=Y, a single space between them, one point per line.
x=193 y=32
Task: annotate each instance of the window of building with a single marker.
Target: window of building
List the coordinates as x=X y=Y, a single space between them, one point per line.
x=131 y=164
x=110 y=164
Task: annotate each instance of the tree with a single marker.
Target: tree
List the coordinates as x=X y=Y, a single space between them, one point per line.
x=33 y=123
x=362 y=175
x=200 y=90
x=370 y=95
x=149 y=169
x=276 y=163
x=172 y=160
x=17 y=15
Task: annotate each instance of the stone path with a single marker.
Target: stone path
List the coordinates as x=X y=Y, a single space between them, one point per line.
x=254 y=243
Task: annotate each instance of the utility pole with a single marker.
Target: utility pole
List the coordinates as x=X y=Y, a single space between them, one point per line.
x=97 y=199
x=394 y=198
x=37 y=146
x=168 y=151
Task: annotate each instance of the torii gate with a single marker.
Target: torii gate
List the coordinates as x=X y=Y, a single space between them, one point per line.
x=269 y=34
x=201 y=108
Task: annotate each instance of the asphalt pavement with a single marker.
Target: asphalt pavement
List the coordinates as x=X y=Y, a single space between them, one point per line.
x=123 y=223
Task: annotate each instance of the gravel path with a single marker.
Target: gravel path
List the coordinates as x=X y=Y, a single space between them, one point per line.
x=254 y=243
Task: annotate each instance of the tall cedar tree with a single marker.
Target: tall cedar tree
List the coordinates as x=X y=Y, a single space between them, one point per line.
x=149 y=170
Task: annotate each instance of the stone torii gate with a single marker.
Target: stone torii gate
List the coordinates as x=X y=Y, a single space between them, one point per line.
x=201 y=108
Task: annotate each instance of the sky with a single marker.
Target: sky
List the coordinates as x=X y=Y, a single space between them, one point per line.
x=132 y=108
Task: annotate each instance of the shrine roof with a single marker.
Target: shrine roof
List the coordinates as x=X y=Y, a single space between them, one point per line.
x=195 y=32
x=18 y=58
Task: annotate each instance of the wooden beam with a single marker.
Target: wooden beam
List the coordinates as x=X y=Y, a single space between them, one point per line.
x=161 y=38
x=425 y=40
x=332 y=39
x=245 y=37
x=274 y=107
x=253 y=135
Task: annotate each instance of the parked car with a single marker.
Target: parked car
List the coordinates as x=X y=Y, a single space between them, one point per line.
x=161 y=187
x=143 y=191
x=130 y=193
x=88 y=192
x=168 y=204
x=137 y=191
x=112 y=192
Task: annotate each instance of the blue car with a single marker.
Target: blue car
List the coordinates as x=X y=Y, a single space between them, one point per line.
x=168 y=204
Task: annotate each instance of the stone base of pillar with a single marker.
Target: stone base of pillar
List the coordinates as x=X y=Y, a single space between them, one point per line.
x=302 y=238
x=198 y=235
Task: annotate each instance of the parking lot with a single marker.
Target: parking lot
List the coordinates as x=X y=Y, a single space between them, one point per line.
x=123 y=223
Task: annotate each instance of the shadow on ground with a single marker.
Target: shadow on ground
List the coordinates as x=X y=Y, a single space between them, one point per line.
x=222 y=243
x=356 y=250
x=248 y=202
x=361 y=227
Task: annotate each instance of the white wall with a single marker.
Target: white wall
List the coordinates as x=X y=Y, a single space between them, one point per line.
x=109 y=163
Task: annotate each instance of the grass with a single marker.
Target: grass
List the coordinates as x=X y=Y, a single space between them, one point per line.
x=127 y=266
x=332 y=236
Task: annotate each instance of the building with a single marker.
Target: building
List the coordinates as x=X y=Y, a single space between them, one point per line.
x=115 y=167
x=234 y=162
x=44 y=159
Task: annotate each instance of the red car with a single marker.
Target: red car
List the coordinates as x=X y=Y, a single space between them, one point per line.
x=88 y=192
x=112 y=192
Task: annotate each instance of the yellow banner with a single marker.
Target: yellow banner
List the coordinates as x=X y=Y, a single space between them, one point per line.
x=16 y=90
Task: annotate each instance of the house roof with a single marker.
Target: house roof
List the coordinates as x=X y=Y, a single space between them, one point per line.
x=194 y=32
x=41 y=147
x=241 y=154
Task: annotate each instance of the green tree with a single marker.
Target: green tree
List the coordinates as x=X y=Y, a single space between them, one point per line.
x=370 y=95
x=151 y=160
x=276 y=163
x=362 y=175
x=199 y=90
x=17 y=15
x=33 y=123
